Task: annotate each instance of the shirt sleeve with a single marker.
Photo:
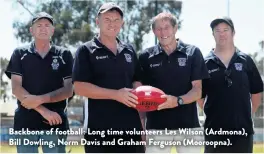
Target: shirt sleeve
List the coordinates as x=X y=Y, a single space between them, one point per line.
x=199 y=69
x=255 y=81
x=14 y=66
x=82 y=65
x=67 y=69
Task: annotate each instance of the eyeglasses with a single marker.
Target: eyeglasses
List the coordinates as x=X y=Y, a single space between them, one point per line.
x=227 y=78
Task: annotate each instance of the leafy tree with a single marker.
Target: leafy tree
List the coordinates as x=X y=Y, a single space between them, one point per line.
x=4 y=84
x=75 y=20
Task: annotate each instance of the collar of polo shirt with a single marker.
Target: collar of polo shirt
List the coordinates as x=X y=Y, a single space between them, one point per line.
x=32 y=48
x=213 y=57
x=120 y=45
x=180 y=47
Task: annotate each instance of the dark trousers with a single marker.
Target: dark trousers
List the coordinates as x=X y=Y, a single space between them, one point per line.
x=240 y=144
x=113 y=148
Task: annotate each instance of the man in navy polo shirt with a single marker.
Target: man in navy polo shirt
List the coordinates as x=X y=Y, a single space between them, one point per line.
x=176 y=68
x=105 y=70
x=233 y=92
x=41 y=81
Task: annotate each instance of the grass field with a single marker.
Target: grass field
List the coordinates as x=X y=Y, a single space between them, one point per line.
x=258 y=148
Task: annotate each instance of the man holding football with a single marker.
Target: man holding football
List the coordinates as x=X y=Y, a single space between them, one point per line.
x=105 y=70
x=177 y=69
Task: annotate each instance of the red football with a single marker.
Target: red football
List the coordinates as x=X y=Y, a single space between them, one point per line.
x=149 y=98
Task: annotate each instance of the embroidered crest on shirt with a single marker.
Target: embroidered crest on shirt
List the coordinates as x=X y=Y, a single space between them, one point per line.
x=239 y=66
x=182 y=61
x=128 y=58
x=55 y=64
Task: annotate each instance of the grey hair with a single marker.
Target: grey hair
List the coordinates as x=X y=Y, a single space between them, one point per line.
x=164 y=16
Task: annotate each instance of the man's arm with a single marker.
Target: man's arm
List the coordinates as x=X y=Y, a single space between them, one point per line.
x=21 y=93
x=17 y=89
x=52 y=97
x=60 y=94
x=256 y=84
x=199 y=72
x=194 y=94
x=200 y=103
x=256 y=100
x=24 y=97
x=92 y=91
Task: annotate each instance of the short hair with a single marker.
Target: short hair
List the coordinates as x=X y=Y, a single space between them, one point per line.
x=164 y=16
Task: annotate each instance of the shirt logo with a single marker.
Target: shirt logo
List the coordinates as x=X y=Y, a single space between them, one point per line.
x=239 y=66
x=182 y=61
x=213 y=70
x=128 y=58
x=55 y=65
x=155 y=65
x=101 y=57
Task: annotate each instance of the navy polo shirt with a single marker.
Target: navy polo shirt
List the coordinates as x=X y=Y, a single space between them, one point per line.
x=228 y=105
x=174 y=75
x=40 y=76
x=96 y=64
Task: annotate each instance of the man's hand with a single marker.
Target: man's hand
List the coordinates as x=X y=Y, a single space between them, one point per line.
x=126 y=97
x=171 y=102
x=53 y=118
x=32 y=101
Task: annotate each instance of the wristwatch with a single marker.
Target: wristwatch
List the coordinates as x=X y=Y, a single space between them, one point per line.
x=180 y=101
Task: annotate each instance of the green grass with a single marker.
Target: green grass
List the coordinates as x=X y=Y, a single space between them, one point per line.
x=258 y=148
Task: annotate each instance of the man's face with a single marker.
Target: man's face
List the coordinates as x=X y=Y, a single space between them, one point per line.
x=223 y=34
x=42 y=29
x=110 y=23
x=164 y=31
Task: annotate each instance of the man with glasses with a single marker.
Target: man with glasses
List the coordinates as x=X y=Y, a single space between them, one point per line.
x=233 y=92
